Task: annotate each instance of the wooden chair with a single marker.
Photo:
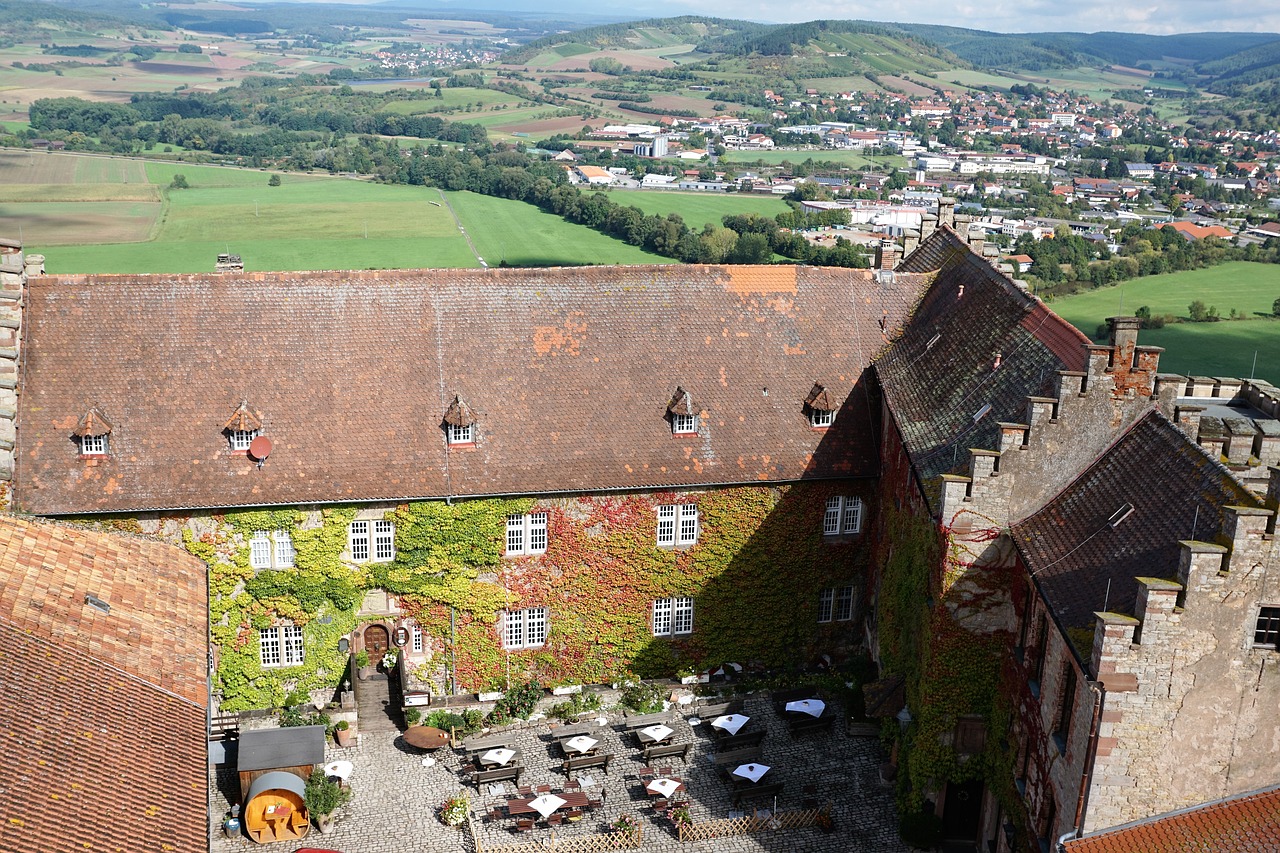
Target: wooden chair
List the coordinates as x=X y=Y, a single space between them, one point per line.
x=495 y=813
x=595 y=804
x=660 y=804
x=573 y=815
x=555 y=819
x=543 y=789
x=665 y=772
x=524 y=790
x=524 y=824
x=572 y=785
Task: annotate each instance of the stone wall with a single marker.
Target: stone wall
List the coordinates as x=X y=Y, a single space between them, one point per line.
x=1190 y=713
x=14 y=270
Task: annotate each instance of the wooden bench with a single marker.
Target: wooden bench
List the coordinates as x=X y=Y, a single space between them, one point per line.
x=780 y=698
x=631 y=722
x=497 y=774
x=486 y=743
x=755 y=793
x=711 y=710
x=742 y=740
x=813 y=724
x=669 y=750
x=566 y=732
x=587 y=762
x=747 y=755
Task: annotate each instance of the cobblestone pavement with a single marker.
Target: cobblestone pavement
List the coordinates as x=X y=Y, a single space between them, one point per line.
x=396 y=798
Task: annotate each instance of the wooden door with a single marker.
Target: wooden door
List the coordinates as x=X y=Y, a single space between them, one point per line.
x=375 y=641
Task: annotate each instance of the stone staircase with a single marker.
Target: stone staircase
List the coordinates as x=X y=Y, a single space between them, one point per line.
x=378 y=712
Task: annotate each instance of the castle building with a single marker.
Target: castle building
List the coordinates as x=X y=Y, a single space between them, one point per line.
x=1064 y=559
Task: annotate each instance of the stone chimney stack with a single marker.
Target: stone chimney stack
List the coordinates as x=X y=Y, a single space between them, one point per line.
x=947 y=212
x=910 y=240
x=1133 y=367
x=928 y=224
x=887 y=255
x=14 y=269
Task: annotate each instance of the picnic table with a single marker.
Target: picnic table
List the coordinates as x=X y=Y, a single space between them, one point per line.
x=572 y=800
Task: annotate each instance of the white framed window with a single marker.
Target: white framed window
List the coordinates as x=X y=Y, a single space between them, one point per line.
x=677 y=524
x=273 y=550
x=1266 y=631
x=684 y=424
x=464 y=434
x=526 y=534
x=93 y=445
x=672 y=616
x=242 y=438
x=416 y=640
x=524 y=629
x=281 y=646
x=821 y=417
x=843 y=516
x=835 y=603
x=372 y=541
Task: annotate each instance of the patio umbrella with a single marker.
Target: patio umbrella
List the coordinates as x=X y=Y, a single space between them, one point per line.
x=581 y=743
x=751 y=771
x=812 y=707
x=546 y=804
x=665 y=787
x=730 y=723
x=498 y=756
x=653 y=734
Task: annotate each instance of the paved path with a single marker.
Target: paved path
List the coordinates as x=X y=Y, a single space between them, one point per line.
x=445 y=200
x=396 y=797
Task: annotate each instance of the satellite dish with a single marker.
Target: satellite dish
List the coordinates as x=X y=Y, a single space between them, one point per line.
x=260 y=448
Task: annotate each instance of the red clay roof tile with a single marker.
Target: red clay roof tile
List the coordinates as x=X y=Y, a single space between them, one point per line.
x=1249 y=823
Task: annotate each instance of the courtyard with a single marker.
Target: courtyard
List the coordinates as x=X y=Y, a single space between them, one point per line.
x=397 y=795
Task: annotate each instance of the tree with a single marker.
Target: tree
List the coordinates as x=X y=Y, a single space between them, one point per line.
x=179 y=182
x=1275 y=307
x=273 y=181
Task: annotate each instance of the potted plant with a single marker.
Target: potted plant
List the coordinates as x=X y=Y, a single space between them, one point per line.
x=323 y=797
x=343 y=732
x=680 y=816
x=389 y=659
x=453 y=811
x=363 y=665
x=627 y=823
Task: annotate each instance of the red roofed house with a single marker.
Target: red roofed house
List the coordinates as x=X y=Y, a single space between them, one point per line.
x=1192 y=231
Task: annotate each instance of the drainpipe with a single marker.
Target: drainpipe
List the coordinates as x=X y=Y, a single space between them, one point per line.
x=1086 y=778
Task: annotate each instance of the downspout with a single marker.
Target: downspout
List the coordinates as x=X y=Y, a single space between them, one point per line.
x=1086 y=778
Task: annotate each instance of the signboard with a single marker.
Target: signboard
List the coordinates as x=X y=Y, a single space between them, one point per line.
x=401 y=636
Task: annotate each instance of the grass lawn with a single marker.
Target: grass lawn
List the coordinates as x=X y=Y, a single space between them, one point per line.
x=1214 y=349
x=698 y=208
x=523 y=235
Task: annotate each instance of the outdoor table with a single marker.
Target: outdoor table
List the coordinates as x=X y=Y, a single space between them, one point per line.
x=497 y=757
x=663 y=787
x=730 y=723
x=580 y=744
x=340 y=770
x=425 y=737
x=750 y=772
x=655 y=734
x=812 y=707
x=523 y=805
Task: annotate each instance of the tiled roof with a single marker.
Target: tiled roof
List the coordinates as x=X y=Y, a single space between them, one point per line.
x=102 y=716
x=976 y=340
x=1249 y=823
x=351 y=374
x=158 y=625
x=1177 y=492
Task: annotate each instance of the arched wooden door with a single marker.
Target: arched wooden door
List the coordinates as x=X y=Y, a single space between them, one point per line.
x=376 y=641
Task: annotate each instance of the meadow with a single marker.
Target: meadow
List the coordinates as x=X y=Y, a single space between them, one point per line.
x=1224 y=348
x=116 y=215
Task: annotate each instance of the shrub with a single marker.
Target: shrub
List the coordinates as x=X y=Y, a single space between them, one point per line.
x=643 y=698
x=920 y=829
x=1275 y=308
x=412 y=716
x=579 y=703
x=516 y=703
x=323 y=796
x=179 y=182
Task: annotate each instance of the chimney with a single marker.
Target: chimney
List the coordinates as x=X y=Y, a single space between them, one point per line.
x=887 y=255
x=910 y=240
x=947 y=212
x=928 y=224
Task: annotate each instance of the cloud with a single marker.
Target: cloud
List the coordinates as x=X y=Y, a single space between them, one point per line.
x=1019 y=16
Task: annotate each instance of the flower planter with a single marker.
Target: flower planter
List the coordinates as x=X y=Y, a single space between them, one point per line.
x=689 y=679
x=566 y=690
x=344 y=736
x=324 y=822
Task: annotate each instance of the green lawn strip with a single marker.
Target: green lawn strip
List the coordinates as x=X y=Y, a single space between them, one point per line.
x=1219 y=349
x=267 y=255
x=698 y=208
x=1248 y=288
x=219 y=176
x=523 y=235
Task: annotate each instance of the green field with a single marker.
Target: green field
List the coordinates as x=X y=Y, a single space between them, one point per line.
x=1214 y=349
x=523 y=235
x=698 y=208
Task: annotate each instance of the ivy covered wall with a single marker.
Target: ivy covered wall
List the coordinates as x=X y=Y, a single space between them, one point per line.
x=755 y=574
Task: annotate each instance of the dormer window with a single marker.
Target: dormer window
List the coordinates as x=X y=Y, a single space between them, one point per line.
x=821 y=407
x=459 y=423
x=242 y=438
x=91 y=433
x=93 y=445
x=682 y=414
x=242 y=428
